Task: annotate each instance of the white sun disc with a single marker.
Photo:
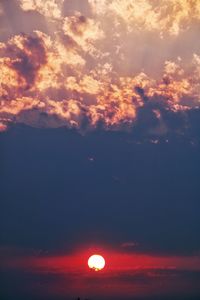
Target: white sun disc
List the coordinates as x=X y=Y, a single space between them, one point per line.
x=96 y=262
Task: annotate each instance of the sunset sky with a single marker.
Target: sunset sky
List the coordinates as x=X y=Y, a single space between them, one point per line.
x=100 y=149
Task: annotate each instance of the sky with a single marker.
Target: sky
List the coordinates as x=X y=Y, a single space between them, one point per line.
x=99 y=147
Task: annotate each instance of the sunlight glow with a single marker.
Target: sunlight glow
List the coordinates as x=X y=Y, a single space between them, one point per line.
x=96 y=262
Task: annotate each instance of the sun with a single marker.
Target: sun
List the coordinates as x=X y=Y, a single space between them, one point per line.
x=96 y=262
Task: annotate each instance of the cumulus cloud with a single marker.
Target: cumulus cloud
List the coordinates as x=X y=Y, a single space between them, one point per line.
x=82 y=71
x=171 y=16
x=48 y=8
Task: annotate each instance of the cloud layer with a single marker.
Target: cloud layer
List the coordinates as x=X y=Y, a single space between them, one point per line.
x=93 y=63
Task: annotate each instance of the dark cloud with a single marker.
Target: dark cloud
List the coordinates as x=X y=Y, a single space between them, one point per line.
x=27 y=61
x=156 y=119
x=140 y=91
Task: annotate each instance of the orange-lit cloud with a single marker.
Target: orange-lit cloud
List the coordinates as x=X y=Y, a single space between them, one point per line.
x=83 y=73
x=171 y=16
x=48 y=8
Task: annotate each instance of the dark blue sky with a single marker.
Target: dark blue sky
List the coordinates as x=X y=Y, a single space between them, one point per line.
x=61 y=189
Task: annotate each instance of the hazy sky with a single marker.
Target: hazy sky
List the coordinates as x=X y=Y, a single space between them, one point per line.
x=99 y=147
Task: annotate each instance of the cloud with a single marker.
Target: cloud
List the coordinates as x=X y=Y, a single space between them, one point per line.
x=129 y=245
x=162 y=16
x=29 y=55
x=49 y=8
x=82 y=71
